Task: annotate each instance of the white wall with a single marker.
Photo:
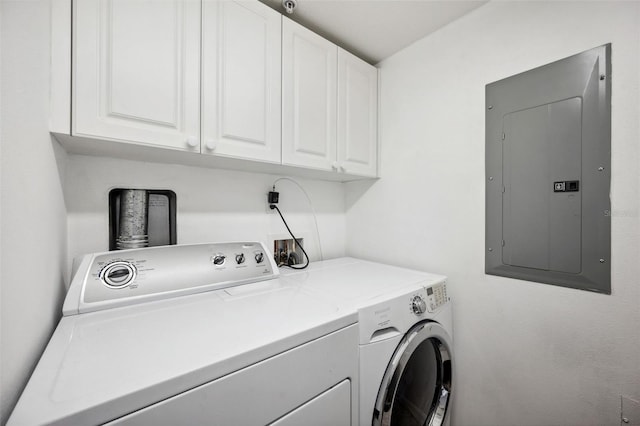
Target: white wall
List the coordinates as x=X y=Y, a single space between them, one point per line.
x=33 y=217
x=527 y=353
x=213 y=204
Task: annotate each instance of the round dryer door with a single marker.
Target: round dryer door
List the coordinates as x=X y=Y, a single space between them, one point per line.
x=416 y=387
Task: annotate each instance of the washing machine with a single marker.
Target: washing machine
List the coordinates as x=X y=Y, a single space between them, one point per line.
x=406 y=362
x=192 y=335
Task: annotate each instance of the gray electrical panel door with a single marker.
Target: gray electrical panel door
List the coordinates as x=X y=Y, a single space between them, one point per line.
x=547 y=165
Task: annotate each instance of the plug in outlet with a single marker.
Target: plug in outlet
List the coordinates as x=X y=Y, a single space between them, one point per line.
x=273 y=197
x=272 y=200
x=287 y=252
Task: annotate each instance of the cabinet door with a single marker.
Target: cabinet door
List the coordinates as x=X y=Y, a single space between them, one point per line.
x=357 y=115
x=309 y=73
x=241 y=109
x=137 y=71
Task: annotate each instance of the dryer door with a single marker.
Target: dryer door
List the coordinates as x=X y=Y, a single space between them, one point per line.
x=416 y=387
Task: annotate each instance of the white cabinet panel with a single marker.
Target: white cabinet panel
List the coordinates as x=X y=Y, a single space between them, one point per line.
x=299 y=383
x=357 y=115
x=309 y=74
x=331 y=408
x=137 y=71
x=241 y=112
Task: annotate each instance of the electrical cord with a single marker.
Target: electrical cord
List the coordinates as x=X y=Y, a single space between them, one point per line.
x=315 y=218
x=274 y=207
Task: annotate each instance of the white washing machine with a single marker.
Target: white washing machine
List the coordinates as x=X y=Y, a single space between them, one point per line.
x=167 y=336
x=405 y=338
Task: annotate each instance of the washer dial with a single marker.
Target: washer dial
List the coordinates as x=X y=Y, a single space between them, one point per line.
x=118 y=274
x=218 y=259
x=418 y=305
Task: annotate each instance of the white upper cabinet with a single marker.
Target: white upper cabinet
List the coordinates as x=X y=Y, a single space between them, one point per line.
x=309 y=74
x=329 y=105
x=231 y=79
x=357 y=115
x=241 y=78
x=137 y=71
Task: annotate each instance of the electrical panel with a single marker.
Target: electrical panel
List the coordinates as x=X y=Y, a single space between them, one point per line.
x=548 y=157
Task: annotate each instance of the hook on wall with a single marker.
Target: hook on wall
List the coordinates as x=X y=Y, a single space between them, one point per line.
x=289 y=5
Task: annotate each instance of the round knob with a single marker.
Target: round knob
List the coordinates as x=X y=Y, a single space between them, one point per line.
x=259 y=257
x=240 y=258
x=334 y=165
x=218 y=259
x=210 y=144
x=418 y=305
x=118 y=274
x=192 y=141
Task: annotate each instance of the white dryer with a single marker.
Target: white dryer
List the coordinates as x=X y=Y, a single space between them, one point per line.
x=129 y=351
x=405 y=338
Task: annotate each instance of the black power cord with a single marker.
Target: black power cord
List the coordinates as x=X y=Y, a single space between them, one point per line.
x=274 y=207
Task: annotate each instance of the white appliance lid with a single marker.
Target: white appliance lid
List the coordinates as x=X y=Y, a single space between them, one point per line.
x=353 y=283
x=102 y=365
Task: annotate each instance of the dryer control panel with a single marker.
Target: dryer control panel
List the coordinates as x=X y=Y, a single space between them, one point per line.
x=436 y=296
x=125 y=277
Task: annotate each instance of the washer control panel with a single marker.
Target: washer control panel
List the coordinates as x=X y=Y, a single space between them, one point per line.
x=436 y=296
x=116 y=278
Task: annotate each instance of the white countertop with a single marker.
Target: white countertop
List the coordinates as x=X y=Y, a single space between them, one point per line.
x=353 y=283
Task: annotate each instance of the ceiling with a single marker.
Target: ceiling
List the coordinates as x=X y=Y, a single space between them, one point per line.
x=375 y=29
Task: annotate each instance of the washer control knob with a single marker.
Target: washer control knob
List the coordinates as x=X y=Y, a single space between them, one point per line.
x=240 y=258
x=418 y=305
x=259 y=257
x=118 y=274
x=218 y=259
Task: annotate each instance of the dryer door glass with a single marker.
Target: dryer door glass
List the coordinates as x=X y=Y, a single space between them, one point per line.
x=416 y=387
